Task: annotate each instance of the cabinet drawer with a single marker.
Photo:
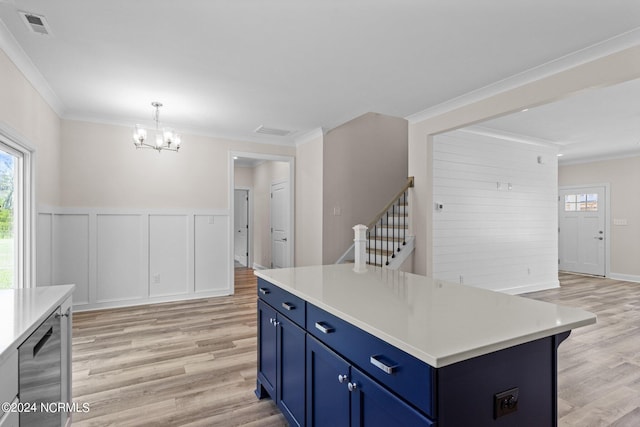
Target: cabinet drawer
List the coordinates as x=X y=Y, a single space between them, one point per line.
x=283 y=301
x=9 y=376
x=408 y=377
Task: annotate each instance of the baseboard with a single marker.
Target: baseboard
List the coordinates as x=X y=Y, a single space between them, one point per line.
x=147 y=301
x=535 y=287
x=257 y=266
x=624 y=277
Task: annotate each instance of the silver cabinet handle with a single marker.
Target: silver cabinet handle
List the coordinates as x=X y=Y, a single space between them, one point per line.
x=382 y=366
x=352 y=386
x=288 y=306
x=325 y=329
x=342 y=378
x=264 y=291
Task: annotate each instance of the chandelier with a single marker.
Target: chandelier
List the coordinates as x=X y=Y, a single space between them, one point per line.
x=166 y=139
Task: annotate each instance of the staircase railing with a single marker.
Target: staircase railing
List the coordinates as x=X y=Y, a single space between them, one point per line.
x=388 y=228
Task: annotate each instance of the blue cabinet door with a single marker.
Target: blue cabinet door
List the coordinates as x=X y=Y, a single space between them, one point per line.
x=291 y=371
x=374 y=406
x=327 y=397
x=267 y=351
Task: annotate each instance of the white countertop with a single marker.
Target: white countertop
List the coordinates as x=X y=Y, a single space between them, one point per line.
x=23 y=310
x=438 y=322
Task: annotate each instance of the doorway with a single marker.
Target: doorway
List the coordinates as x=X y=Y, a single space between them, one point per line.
x=266 y=170
x=582 y=229
x=241 y=227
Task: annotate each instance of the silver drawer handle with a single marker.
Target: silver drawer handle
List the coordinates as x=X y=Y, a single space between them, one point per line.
x=382 y=366
x=324 y=328
x=264 y=291
x=288 y=306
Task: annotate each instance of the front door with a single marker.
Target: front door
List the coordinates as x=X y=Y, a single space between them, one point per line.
x=280 y=224
x=581 y=238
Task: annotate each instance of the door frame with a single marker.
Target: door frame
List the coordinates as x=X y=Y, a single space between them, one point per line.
x=292 y=192
x=249 y=191
x=607 y=221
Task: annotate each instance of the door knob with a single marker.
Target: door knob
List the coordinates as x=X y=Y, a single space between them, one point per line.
x=352 y=386
x=284 y=239
x=342 y=378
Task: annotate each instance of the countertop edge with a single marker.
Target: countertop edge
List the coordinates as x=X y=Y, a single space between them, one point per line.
x=65 y=293
x=434 y=361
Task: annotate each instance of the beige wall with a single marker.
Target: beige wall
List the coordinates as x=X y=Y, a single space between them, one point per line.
x=25 y=112
x=102 y=168
x=623 y=176
x=364 y=166
x=611 y=69
x=309 y=170
x=243 y=177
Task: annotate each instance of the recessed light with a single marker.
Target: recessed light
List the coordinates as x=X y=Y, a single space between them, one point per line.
x=559 y=154
x=524 y=110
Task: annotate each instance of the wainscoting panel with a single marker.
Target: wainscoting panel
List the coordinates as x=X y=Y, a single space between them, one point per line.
x=168 y=255
x=122 y=257
x=121 y=260
x=211 y=253
x=44 y=249
x=71 y=254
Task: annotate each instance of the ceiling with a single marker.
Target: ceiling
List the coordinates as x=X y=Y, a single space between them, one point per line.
x=226 y=67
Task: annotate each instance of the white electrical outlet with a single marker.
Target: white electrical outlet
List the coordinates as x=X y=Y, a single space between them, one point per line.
x=156 y=279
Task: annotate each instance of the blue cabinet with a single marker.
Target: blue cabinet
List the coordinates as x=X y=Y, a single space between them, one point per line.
x=281 y=362
x=323 y=371
x=339 y=394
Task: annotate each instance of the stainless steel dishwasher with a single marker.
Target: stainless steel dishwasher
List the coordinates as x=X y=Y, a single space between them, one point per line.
x=39 y=373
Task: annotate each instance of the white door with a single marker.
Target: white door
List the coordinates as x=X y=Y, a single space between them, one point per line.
x=280 y=225
x=241 y=226
x=581 y=234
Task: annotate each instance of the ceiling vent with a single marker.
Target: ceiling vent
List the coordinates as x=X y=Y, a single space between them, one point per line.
x=272 y=131
x=36 y=23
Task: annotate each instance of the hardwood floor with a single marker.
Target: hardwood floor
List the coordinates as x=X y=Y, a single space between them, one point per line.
x=599 y=365
x=190 y=363
x=193 y=363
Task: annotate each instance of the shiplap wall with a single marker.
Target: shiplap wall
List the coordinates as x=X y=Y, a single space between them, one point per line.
x=486 y=234
x=121 y=257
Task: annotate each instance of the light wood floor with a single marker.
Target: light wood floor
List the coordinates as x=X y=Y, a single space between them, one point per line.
x=599 y=365
x=193 y=363
x=190 y=363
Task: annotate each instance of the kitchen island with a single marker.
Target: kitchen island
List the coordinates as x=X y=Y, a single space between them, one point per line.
x=384 y=347
x=35 y=355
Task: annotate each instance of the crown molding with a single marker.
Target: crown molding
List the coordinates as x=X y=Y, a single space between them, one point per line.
x=510 y=136
x=309 y=136
x=23 y=63
x=599 y=50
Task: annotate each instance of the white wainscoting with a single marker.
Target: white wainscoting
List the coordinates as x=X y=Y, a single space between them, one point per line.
x=128 y=257
x=498 y=226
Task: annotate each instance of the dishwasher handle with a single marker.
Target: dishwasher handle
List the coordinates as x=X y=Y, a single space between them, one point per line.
x=42 y=342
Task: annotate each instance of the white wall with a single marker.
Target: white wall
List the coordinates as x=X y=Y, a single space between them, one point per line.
x=498 y=225
x=540 y=86
x=119 y=257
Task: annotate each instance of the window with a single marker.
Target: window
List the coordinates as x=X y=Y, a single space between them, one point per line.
x=581 y=203
x=8 y=243
x=16 y=259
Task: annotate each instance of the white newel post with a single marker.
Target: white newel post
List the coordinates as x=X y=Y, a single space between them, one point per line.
x=360 y=240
